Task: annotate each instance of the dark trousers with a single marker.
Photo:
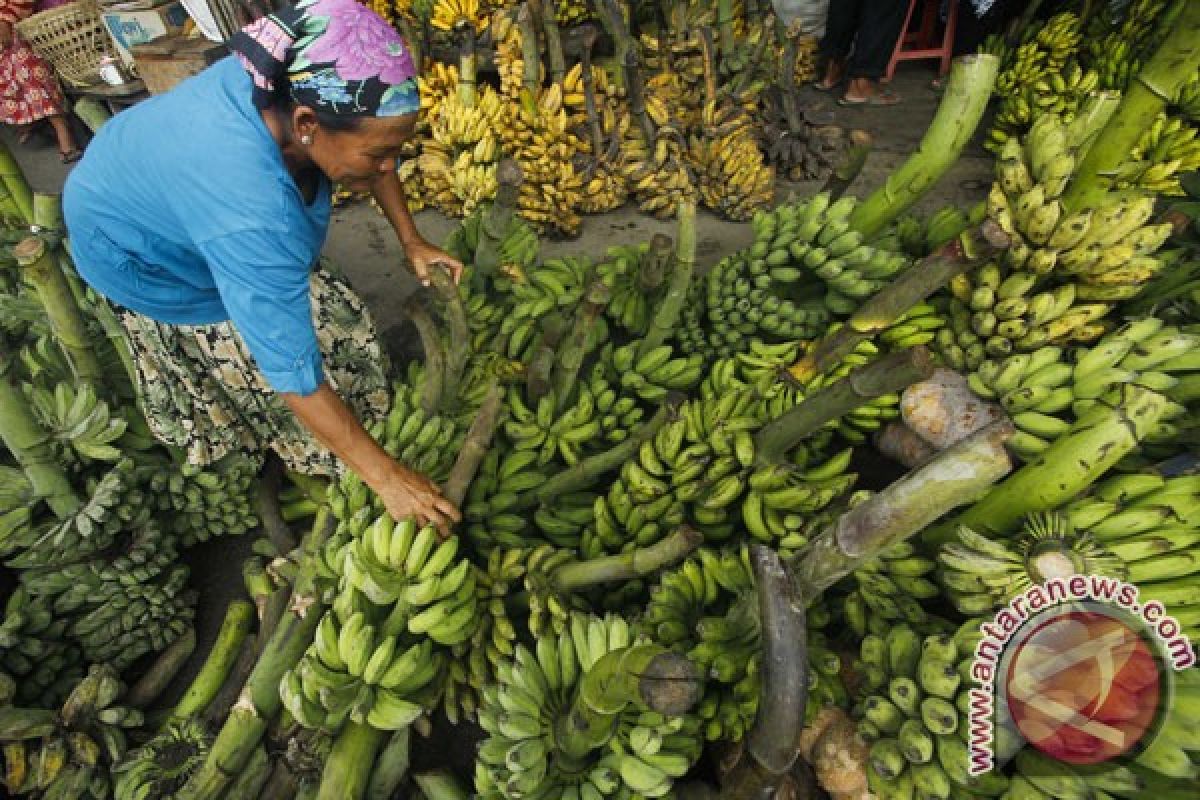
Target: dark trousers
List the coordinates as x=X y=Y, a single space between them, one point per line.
x=871 y=27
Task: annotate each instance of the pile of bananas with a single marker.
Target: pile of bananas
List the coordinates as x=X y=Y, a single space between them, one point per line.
x=731 y=174
x=373 y=659
x=522 y=713
x=160 y=767
x=67 y=754
x=458 y=158
x=915 y=715
x=1043 y=392
x=34 y=648
x=890 y=588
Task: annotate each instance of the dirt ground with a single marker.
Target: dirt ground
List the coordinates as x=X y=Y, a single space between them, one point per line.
x=361 y=242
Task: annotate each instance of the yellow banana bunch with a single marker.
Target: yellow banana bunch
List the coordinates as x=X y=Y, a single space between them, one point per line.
x=731 y=175
x=458 y=161
x=1167 y=149
x=657 y=172
x=448 y=14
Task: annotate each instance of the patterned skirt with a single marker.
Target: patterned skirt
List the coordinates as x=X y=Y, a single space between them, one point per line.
x=200 y=389
x=29 y=90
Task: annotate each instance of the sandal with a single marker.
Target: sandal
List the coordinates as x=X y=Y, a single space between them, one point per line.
x=880 y=98
x=71 y=156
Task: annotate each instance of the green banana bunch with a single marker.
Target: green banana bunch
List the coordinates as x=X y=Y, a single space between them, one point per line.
x=981 y=574
x=34 y=647
x=917 y=326
x=914 y=715
x=200 y=503
x=79 y=421
x=1036 y=391
x=889 y=589
x=620 y=413
x=1120 y=38
x=656 y=373
x=490 y=510
x=425 y=443
x=636 y=288
x=536 y=688
x=1166 y=150
x=550 y=285
x=518 y=247
x=472 y=665
x=550 y=433
x=549 y=608
x=1060 y=93
x=1148 y=522
x=427 y=588
x=160 y=767
x=785 y=505
x=1037 y=775
x=1025 y=65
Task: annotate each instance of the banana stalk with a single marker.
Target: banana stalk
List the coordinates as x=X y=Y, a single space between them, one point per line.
x=653 y=266
x=648 y=677
x=458 y=347
x=30 y=446
x=1097 y=441
x=574 y=347
x=435 y=356
x=954 y=477
x=391 y=768
x=467 y=63
x=666 y=316
x=770 y=746
x=43 y=271
x=251 y=779
x=348 y=767
x=498 y=217
x=18 y=188
x=239 y=616
x=439 y=785
x=587 y=42
x=852 y=163
x=623 y=44
x=636 y=563
x=554 y=47
x=164 y=669
x=282 y=785
x=531 y=59
x=586 y=471
x=1173 y=65
x=967 y=92
x=267 y=505
x=259 y=701
x=545 y=352
x=885 y=376
x=902 y=293
x=476 y=444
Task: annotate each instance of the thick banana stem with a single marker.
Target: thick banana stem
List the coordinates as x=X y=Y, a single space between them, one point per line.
x=787 y=81
x=647 y=677
x=282 y=784
x=885 y=376
x=656 y=263
x=852 y=163
x=1100 y=438
x=259 y=701
x=498 y=217
x=435 y=357
x=18 y=188
x=475 y=445
x=415 y=42
x=30 y=446
x=267 y=502
x=391 y=768
x=348 y=767
x=574 y=347
x=440 y=785
x=554 y=47
x=162 y=671
x=587 y=471
x=252 y=777
x=1174 y=64
x=770 y=745
x=239 y=617
x=628 y=565
x=954 y=477
x=545 y=354
x=1094 y=114
x=902 y=293
x=588 y=41
x=623 y=44
x=467 y=63
x=635 y=87
x=43 y=271
x=666 y=316
x=214 y=713
x=458 y=345
x=531 y=59
x=708 y=52
x=967 y=91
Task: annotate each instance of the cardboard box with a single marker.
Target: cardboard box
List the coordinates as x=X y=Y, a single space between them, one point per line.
x=129 y=28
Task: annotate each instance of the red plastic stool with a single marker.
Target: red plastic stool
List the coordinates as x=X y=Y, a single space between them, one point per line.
x=923 y=42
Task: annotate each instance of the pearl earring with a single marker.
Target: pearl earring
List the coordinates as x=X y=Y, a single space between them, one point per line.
x=306 y=140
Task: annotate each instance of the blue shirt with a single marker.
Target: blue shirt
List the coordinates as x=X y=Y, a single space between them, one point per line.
x=183 y=210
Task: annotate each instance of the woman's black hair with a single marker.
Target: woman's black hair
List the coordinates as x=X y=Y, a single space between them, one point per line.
x=336 y=123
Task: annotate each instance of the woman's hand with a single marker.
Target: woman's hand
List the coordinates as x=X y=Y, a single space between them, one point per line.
x=422 y=255
x=410 y=494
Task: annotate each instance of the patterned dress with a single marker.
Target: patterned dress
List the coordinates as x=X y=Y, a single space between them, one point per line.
x=29 y=89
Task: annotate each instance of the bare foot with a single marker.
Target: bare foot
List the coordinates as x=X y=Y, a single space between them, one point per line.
x=866 y=92
x=835 y=70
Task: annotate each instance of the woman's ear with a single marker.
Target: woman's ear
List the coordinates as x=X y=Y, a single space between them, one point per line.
x=304 y=123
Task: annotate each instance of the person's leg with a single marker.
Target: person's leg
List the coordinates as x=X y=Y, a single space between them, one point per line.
x=66 y=140
x=840 y=28
x=876 y=42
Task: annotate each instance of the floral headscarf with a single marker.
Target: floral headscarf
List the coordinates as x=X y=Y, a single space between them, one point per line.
x=335 y=56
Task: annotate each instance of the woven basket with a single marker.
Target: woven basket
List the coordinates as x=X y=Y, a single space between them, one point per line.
x=72 y=38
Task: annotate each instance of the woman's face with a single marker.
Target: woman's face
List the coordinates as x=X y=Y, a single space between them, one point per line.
x=355 y=159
